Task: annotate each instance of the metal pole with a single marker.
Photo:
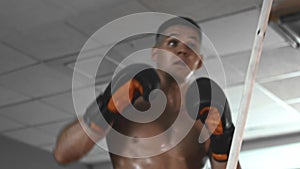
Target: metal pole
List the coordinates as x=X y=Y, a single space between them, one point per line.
x=249 y=83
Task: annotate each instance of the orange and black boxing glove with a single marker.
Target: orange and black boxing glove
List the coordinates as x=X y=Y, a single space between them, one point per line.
x=107 y=106
x=213 y=110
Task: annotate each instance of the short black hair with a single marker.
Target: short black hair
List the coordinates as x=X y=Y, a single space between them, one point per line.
x=180 y=20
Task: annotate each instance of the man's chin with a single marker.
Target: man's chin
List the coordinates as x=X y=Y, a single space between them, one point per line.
x=180 y=76
x=177 y=73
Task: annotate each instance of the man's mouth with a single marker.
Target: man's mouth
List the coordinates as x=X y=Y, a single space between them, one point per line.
x=181 y=63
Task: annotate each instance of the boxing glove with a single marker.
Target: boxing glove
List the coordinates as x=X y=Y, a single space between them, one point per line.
x=213 y=110
x=107 y=106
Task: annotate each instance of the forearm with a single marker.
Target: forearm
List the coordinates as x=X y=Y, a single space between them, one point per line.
x=74 y=142
x=100 y=115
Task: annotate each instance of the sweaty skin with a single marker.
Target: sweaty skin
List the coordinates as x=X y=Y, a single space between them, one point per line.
x=188 y=154
x=169 y=55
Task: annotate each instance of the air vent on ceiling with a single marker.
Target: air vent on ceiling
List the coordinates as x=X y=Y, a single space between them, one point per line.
x=285 y=18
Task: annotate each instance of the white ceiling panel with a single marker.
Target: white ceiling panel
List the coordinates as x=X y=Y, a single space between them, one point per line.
x=238 y=61
x=271 y=115
x=92 y=20
x=31 y=136
x=265 y=113
x=219 y=72
x=272 y=39
x=8 y=124
x=234 y=95
x=64 y=101
x=8 y=96
x=94 y=49
x=53 y=129
x=235 y=33
x=200 y=10
x=34 y=113
x=18 y=15
x=7 y=29
x=37 y=81
x=285 y=89
x=47 y=41
x=48 y=147
x=79 y=5
x=279 y=61
x=11 y=59
x=296 y=106
x=273 y=62
x=87 y=66
x=272 y=157
x=133 y=44
x=134 y=57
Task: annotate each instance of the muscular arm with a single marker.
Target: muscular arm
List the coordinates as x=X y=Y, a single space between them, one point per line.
x=74 y=142
x=79 y=137
x=214 y=112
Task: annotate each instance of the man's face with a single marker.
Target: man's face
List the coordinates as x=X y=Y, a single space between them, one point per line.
x=178 y=51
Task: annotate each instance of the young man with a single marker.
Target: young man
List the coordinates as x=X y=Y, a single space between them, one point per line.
x=177 y=48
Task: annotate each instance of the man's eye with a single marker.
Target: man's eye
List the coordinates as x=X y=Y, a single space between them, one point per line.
x=173 y=43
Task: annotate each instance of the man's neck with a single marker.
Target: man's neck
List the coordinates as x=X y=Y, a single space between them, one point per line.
x=166 y=80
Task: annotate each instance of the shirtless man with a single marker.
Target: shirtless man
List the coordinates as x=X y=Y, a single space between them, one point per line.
x=179 y=46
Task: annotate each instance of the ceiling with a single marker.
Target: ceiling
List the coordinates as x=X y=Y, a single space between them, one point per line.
x=40 y=41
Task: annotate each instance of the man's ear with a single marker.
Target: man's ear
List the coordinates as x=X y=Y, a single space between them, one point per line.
x=200 y=61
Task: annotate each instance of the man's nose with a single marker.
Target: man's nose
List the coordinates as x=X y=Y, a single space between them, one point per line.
x=182 y=50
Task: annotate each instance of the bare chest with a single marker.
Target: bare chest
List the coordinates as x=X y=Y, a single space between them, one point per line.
x=187 y=154
x=170 y=141
x=152 y=145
